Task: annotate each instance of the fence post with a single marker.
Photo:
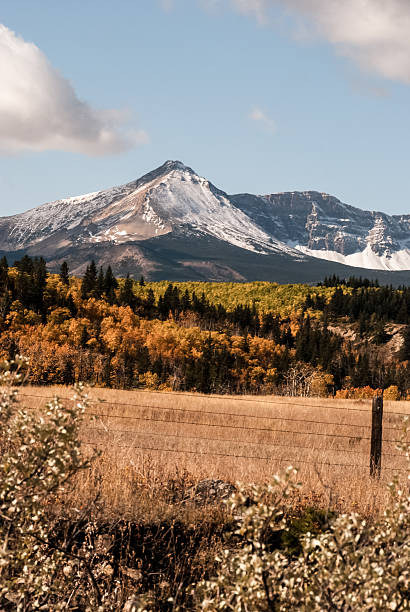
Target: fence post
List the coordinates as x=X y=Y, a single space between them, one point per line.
x=377 y=436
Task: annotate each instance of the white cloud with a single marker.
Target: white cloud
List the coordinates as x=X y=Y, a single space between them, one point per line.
x=372 y=33
x=39 y=109
x=257 y=114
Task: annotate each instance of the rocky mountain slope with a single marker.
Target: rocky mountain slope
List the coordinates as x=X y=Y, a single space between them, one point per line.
x=320 y=225
x=172 y=223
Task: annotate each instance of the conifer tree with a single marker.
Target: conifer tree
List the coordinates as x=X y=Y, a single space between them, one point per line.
x=110 y=285
x=110 y=282
x=363 y=324
x=89 y=281
x=4 y=272
x=185 y=301
x=150 y=302
x=25 y=265
x=304 y=341
x=402 y=314
x=5 y=300
x=100 y=282
x=64 y=274
x=163 y=308
x=68 y=373
x=39 y=282
x=30 y=283
x=127 y=296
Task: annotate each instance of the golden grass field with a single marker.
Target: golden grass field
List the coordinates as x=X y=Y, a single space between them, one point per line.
x=150 y=439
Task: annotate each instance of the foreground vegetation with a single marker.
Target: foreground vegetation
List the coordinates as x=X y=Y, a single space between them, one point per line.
x=174 y=549
x=343 y=337
x=116 y=502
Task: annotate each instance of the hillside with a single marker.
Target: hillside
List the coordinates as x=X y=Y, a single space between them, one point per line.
x=223 y=338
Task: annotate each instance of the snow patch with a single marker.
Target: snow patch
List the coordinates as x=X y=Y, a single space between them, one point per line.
x=400 y=260
x=193 y=202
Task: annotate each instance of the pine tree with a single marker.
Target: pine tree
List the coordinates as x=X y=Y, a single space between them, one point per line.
x=162 y=308
x=39 y=283
x=110 y=282
x=68 y=373
x=127 y=296
x=167 y=301
x=402 y=313
x=30 y=283
x=5 y=299
x=70 y=304
x=110 y=285
x=185 y=301
x=149 y=305
x=25 y=265
x=286 y=337
x=308 y=301
x=363 y=324
x=64 y=274
x=337 y=303
x=4 y=273
x=89 y=281
x=100 y=283
x=304 y=341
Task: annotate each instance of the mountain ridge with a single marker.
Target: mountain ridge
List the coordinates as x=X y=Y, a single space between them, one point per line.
x=172 y=204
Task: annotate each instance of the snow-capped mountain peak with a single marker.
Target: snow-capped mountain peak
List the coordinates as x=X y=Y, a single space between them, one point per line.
x=171 y=199
x=173 y=202
x=172 y=164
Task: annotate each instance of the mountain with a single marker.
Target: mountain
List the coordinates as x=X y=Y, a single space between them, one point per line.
x=174 y=224
x=322 y=226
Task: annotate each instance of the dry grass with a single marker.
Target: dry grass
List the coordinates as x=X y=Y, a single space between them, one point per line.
x=154 y=446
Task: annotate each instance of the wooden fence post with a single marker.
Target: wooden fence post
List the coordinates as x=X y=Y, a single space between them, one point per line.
x=377 y=437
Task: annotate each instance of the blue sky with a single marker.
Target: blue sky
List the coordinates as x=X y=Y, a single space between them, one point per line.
x=256 y=95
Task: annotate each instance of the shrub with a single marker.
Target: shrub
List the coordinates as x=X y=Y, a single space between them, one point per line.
x=40 y=455
x=392 y=393
x=268 y=563
x=358 y=393
x=355 y=564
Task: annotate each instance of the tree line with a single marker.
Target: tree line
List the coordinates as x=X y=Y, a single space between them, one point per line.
x=366 y=304
x=119 y=332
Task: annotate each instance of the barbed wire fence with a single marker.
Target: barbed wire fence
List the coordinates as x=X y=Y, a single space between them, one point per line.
x=108 y=435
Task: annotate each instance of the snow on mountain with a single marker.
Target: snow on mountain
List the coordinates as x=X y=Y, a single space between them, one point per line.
x=319 y=225
x=171 y=198
x=369 y=259
x=174 y=202
x=185 y=200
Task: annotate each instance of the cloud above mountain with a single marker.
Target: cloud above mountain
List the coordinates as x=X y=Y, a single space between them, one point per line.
x=40 y=110
x=260 y=116
x=372 y=33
